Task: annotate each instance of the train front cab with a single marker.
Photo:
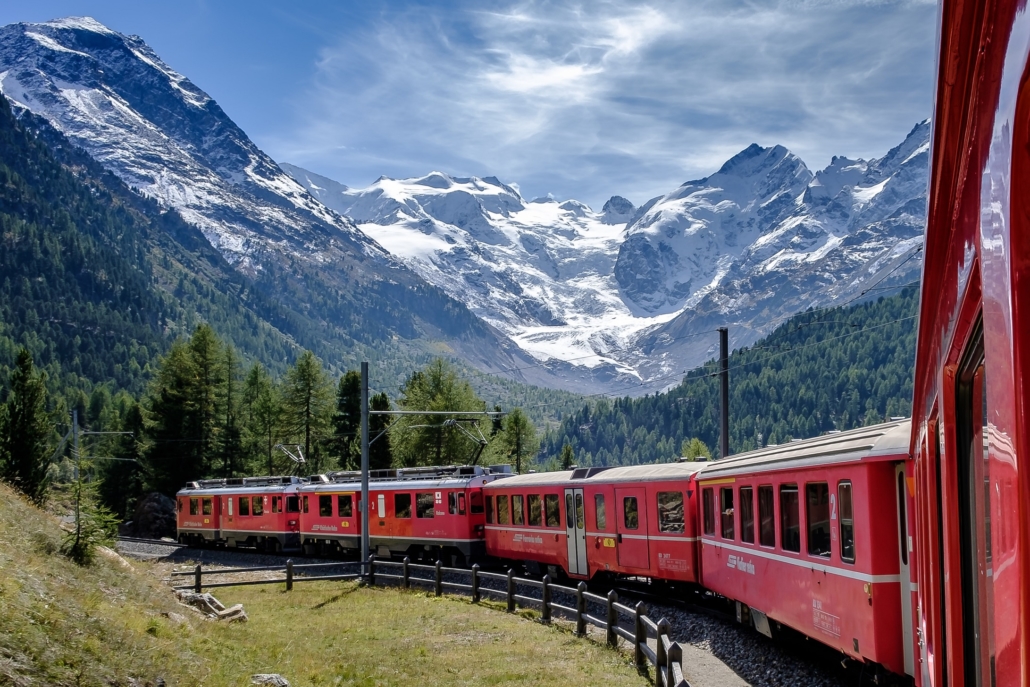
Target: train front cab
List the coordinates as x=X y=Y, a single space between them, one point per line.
x=971 y=399
x=198 y=515
x=814 y=535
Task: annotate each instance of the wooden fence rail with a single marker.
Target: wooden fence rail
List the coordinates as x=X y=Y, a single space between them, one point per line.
x=666 y=657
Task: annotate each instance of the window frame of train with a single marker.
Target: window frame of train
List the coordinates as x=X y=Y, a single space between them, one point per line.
x=345 y=505
x=600 y=512
x=727 y=514
x=243 y=507
x=325 y=505
x=257 y=506
x=503 y=510
x=456 y=502
x=669 y=503
x=518 y=510
x=535 y=510
x=631 y=512
x=293 y=503
x=195 y=506
x=489 y=510
x=402 y=506
x=747 y=513
x=812 y=527
x=708 y=511
x=795 y=509
x=207 y=506
x=552 y=506
x=846 y=519
x=425 y=505
x=767 y=497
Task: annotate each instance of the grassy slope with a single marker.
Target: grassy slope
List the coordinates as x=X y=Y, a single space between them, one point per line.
x=65 y=625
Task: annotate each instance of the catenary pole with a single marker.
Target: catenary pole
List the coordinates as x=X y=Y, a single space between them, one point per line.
x=724 y=379
x=364 y=462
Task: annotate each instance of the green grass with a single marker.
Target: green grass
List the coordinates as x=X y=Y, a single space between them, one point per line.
x=104 y=625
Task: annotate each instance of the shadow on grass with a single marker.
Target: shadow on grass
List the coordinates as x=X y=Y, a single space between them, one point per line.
x=334 y=599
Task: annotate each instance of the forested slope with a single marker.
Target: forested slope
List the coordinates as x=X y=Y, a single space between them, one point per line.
x=820 y=371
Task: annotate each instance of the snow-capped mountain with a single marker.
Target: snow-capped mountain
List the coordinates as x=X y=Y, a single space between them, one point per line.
x=631 y=294
x=111 y=95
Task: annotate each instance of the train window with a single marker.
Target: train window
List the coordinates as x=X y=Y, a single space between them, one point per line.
x=244 y=505
x=569 y=516
x=490 y=509
x=461 y=505
x=401 y=506
x=275 y=504
x=747 y=515
x=292 y=504
x=708 y=501
x=580 y=521
x=258 y=505
x=425 y=505
x=817 y=514
x=206 y=506
x=599 y=512
x=847 y=522
x=517 y=512
x=305 y=508
x=790 y=518
x=670 y=511
x=180 y=505
x=726 y=512
x=345 y=505
x=766 y=516
x=552 y=510
x=452 y=503
x=325 y=505
x=630 y=513
x=475 y=502
x=194 y=506
x=502 y=509
x=534 y=510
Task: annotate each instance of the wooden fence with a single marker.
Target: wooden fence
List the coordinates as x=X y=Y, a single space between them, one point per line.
x=666 y=657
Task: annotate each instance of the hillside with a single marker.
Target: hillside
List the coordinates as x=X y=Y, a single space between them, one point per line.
x=821 y=370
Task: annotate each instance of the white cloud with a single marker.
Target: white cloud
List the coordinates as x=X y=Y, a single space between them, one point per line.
x=595 y=99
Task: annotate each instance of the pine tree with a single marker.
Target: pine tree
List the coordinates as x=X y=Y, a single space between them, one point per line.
x=518 y=438
x=205 y=350
x=26 y=430
x=346 y=443
x=695 y=449
x=175 y=454
x=380 y=455
x=266 y=415
x=307 y=404
x=568 y=457
x=122 y=479
x=230 y=440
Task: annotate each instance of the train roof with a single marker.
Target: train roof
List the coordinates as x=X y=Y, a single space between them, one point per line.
x=875 y=442
x=655 y=472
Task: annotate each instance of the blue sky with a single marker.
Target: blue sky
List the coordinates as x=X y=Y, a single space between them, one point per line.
x=579 y=100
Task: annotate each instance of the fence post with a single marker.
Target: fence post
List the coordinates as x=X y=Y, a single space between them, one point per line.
x=639 y=634
x=371 y=570
x=289 y=575
x=674 y=656
x=475 y=583
x=439 y=579
x=545 y=613
x=661 y=660
x=407 y=573
x=581 y=608
x=198 y=586
x=511 y=590
x=613 y=620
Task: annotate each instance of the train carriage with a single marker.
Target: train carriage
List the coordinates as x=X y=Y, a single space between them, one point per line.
x=814 y=535
x=258 y=512
x=632 y=521
x=197 y=512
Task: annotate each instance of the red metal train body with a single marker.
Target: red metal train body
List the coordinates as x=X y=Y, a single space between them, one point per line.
x=908 y=547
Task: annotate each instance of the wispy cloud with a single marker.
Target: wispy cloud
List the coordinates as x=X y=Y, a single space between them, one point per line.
x=587 y=100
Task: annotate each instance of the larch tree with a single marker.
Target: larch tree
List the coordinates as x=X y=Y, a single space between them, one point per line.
x=308 y=402
x=25 y=431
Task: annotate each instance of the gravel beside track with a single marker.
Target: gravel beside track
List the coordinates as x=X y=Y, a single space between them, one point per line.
x=718 y=652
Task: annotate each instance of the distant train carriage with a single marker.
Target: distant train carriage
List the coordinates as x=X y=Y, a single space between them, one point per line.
x=814 y=535
x=424 y=513
x=630 y=521
x=197 y=511
x=257 y=512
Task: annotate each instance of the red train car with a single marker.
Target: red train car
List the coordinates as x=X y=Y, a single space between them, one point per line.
x=814 y=535
x=971 y=400
x=197 y=512
x=259 y=512
x=425 y=513
x=634 y=521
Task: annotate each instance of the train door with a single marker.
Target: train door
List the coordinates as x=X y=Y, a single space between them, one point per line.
x=631 y=528
x=576 y=532
x=904 y=549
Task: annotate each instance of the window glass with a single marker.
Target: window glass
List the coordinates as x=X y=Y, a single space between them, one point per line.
x=424 y=504
x=194 y=506
x=747 y=515
x=461 y=504
x=708 y=508
x=847 y=522
x=552 y=510
x=401 y=505
x=580 y=521
x=766 y=516
x=726 y=512
x=452 y=503
x=670 y=511
x=476 y=502
x=569 y=515
x=244 y=505
x=534 y=510
x=292 y=504
x=305 y=503
x=817 y=515
x=276 y=500
x=517 y=513
x=630 y=512
x=790 y=518
x=599 y=512
x=258 y=505
x=502 y=509
x=206 y=506
x=345 y=505
x=325 y=506
x=490 y=509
